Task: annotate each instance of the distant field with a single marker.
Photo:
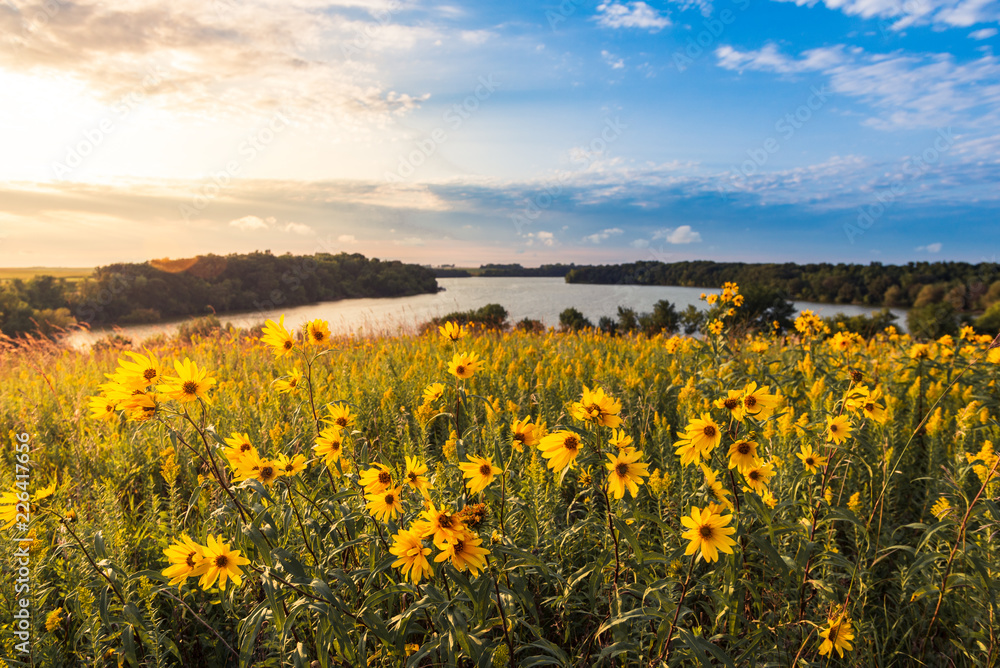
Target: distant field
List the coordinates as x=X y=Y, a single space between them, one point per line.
x=7 y=273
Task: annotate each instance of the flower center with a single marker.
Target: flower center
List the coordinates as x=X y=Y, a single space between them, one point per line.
x=288 y=344
x=413 y=476
x=705 y=531
x=444 y=521
x=221 y=561
x=750 y=401
x=743 y=448
x=709 y=431
x=384 y=478
x=390 y=499
x=755 y=475
x=460 y=369
x=485 y=469
x=341 y=422
x=189 y=387
x=190 y=560
x=318 y=336
x=622 y=469
x=571 y=443
x=730 y=404
x=459 y=546
x=266 y=472
x=810 y=461
x=149 y=374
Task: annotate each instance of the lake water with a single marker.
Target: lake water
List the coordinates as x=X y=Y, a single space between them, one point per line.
x=538 y=298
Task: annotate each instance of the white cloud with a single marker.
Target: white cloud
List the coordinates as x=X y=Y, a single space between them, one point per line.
x=613 y=61
x=908 y=91
x=930 y=248
x=985 y=33
x=347 y=239
x=948 y=13
x=631 y=15
x=604 y=235
x=680 y=235
x=297 y=228
x=639 y=243
x=547 y=238
x=247 y=223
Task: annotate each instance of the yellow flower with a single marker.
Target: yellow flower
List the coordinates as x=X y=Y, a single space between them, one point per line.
x=186 y=559
x=221 y=563
x=708 y=533
x=385 y=505
x=715 y=327
x=941 y=508
x=141 y=372
x=283 y=386
x=433 y=392
x=279 y=338
x=626 y=471
x=238 y=446
x=479 y=473
x=190 y=384
x=318 y=332
x=836 y=636
x=700 y=438
x=621 y=441
x=464 y=365
x=732 y=402
x=757 y=402
x=743 y=455
x=412 y=556
x=453 y=331
x=560 y=448
x=838 y=429
x=53 y=620
x=597 y=408
x=439 y=525
x=523 y=433
x=415 y=476
x=291 y=465
x=252 y=467
x=758 y=477
x=465 y=552
x=376 y=479
x=810 y=459
x=769 y=499
x=340 y=415
x=716 y=488
x=854 y=503
x=102 y=408
x=329 y=445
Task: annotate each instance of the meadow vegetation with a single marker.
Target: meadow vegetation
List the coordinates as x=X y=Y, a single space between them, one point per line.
x=477 y=497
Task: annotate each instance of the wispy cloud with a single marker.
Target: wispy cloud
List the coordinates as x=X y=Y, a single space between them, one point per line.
x=930 y=248
x=679 y=235
x=604 y=235
x=906 y=13
x=631 y=15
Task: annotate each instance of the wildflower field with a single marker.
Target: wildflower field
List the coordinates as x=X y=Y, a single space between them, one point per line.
x=478 y=498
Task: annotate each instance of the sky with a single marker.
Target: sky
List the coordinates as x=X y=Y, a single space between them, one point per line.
x=473 y=132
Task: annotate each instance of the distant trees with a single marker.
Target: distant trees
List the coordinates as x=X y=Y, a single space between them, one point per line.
x=149 y=291
x=571 y=320
x=490 y=316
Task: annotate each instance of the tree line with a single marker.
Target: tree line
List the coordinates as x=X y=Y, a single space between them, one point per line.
x=130 y=293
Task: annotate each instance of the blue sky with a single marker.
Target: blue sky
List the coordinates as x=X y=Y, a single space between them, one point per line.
x=755 y=130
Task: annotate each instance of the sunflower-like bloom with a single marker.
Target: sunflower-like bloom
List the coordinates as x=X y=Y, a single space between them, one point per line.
x=743 y=455
x=412 y=556
x=221 y=563
x=464 y=365
x=377 y=479
x=708 y=533
x=465 y=553
x=716 y=489
x=102 y=407
x=253 y=467
x=190 y=383
x=811 y=459
x=384 y=506
x=433 y=392
x=626 y=471
x=757 y=403
x=187 y=559
x=10 y=506
x=560 y=448
x=340 y=415
x=289 y=384
x=438 y=525
x=479 y=473
x=453 y=331
x=838 y=429
x=621 y=440
x=872 y=409
x=837 y=636
x=416 y=476
x=700 y=438
x=732 y=402
x=597 y=408
x=237 y=446
x=523 y=433
x=758 y=477
x=280 y=339
x=139 y=406
x=141 y=371
x=318 y=332
x=291 y=465
x=329 y=445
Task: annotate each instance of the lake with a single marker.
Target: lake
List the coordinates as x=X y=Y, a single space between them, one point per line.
x=538 y=298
